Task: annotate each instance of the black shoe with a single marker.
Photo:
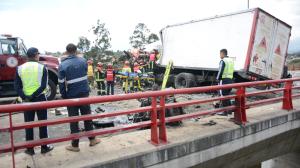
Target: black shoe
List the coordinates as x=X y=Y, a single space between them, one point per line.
x=30 y=151
x=47 y=149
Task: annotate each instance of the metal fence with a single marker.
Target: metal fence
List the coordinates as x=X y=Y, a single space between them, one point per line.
x=157 y=109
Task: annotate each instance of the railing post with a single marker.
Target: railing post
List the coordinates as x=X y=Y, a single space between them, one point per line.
x=240 y=111
x=287 y=102
x=154 y=134
x=162 y=119
x=12 y=140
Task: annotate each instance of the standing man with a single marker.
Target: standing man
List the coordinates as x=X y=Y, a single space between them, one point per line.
x=73 y=83
x=152 y=60
x=99 y=78
x=137 y=80
x=126 y=70
x=225 y=76
x=110 y=79
x=90 y=73
x=30 y=84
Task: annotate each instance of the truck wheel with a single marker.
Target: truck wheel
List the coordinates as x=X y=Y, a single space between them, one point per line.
x=50 y=90
x=184 y=80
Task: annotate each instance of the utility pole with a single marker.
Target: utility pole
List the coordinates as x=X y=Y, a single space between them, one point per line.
x=248 y=4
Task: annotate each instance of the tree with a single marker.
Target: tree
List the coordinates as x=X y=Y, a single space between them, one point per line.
x=139 y=37
x=142 y=36
x=102 y=41
x=152 y=38
x=92 y=53
x=83 y=44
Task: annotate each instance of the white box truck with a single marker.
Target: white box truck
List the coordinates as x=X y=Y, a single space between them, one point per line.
x=256 y=40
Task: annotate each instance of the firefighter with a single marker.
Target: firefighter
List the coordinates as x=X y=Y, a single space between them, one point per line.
x=225 y=76
x=125 y=71
x=152 y=59
x=137 y=80
x=90 y=73
x=142 y=66
x=30 y=84
x=157 y=54
x=110 y=79
x=100 y=77
x=143 y=76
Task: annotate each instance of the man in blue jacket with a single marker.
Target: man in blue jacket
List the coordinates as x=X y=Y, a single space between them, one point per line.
x=73 y=83
x=30 y=84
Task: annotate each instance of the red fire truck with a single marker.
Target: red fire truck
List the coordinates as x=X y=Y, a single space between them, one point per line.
x=13 y=54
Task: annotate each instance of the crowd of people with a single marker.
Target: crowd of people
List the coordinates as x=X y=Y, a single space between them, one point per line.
x=134 y=75
x=76 y=76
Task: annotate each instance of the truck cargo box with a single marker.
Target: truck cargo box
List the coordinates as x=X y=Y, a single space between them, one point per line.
x=256 y=40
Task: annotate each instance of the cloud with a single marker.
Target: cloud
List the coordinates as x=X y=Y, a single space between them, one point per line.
x=7 y=5
x=50 y=25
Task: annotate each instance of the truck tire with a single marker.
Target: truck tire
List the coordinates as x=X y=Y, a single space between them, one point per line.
x=184 y=80
x=50 y=90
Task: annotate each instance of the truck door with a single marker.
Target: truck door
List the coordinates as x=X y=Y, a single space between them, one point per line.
x=279 y=49
x=10 y=58
x=262 y=48
x=270 y=47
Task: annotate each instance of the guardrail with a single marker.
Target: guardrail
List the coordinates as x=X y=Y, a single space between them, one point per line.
x=158 y=120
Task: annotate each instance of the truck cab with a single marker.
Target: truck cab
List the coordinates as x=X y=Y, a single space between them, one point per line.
x=12 y=54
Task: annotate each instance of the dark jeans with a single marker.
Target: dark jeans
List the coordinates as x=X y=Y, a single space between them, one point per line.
x=110 y=87
x=88 y=125
x=225 y=92
x=101 y=87
x=41 y=115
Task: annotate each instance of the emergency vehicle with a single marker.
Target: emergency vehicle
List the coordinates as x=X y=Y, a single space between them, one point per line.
x=12 y=54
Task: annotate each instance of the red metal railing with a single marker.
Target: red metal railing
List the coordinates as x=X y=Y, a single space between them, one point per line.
x=158 y=120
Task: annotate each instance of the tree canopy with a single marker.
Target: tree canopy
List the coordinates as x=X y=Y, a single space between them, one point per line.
x=99 y=47
x=142 y=36
x=83 y=44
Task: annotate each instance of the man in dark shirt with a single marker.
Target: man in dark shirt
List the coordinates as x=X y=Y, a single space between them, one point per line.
x=73 y=83
x=30 y=84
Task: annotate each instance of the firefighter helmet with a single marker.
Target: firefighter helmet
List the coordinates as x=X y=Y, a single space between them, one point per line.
x=109 y=65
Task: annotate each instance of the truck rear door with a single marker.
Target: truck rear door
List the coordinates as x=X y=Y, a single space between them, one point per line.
x=279 y=50
x=270 y=45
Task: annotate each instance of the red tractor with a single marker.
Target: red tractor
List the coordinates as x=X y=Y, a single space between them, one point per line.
x=13 y=54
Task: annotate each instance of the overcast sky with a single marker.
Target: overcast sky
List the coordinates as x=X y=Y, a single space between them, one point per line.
x=51 y=24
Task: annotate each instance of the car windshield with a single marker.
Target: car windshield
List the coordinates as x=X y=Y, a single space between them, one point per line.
x=8 y=46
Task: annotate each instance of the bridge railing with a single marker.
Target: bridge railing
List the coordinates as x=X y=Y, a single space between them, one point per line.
x=157 y=109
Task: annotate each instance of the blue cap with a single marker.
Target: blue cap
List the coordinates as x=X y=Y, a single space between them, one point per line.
x=31 y=52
